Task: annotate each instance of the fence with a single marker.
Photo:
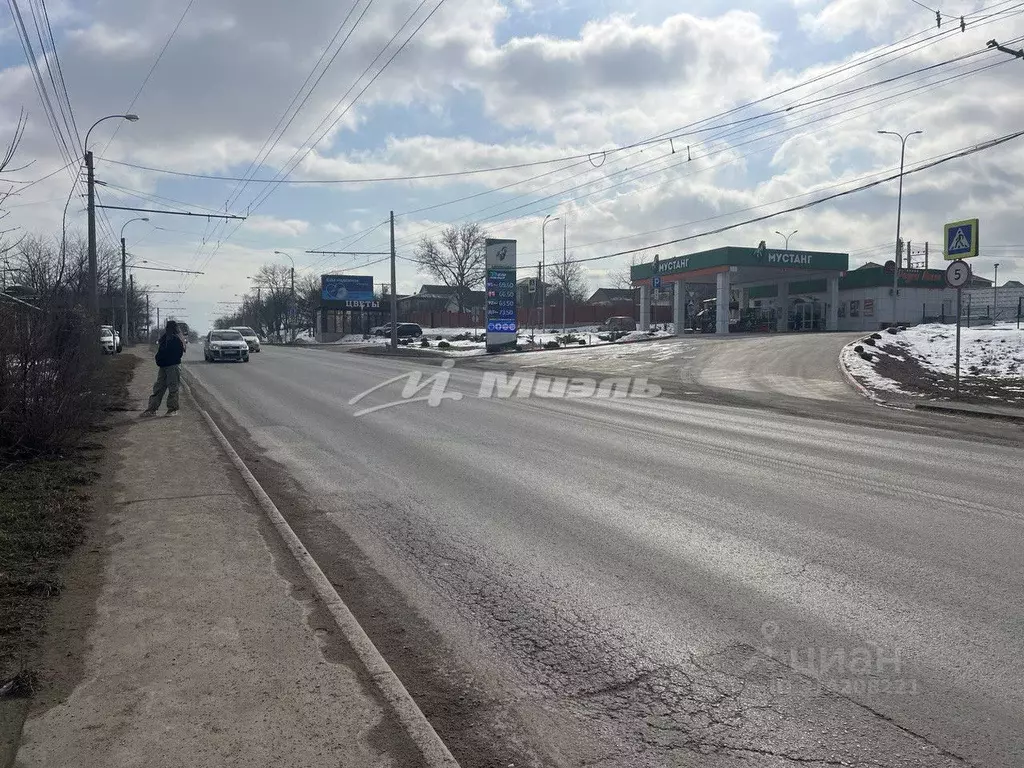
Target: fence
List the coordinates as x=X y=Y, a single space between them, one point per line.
x=575 y=315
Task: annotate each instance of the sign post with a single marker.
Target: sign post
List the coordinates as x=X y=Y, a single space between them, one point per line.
x=502 y=322
x=958 y=274
x=961 y=242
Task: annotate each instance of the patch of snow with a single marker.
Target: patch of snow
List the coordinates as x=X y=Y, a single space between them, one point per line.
x=866 y=374
x=996 y=351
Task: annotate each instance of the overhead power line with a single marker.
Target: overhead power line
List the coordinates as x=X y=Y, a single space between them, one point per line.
x=955 y=156
x=152 y=69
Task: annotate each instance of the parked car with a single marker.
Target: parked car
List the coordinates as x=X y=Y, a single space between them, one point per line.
x=116 y=335
x=619 y=323
x=251 y=337
x=225 y=345
x=107 y=341
x=405 y=330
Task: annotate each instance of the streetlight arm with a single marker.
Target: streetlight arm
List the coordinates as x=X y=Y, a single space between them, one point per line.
x=132 y=118
x=137 y=218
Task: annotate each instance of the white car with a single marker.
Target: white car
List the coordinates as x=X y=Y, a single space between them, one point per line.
x=107 y=342
x=116 y=334
x=250 y=336
x=225 y=345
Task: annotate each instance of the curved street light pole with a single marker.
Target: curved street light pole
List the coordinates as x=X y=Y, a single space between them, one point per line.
x=786 y=237
x=549 y=219
x=899 y=215
x=124 y=276
x=94 y=299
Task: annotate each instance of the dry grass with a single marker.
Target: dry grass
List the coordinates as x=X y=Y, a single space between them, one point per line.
x=43 y=511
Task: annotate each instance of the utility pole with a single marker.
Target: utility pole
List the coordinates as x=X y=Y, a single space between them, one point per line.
x=565 y=275
x=910 y=256
x=926 y=254
x=94 y=299
x=394 y=289
x=543 y=252
x=124 y=290
x=147 y=318
x=158 y=318
x=131 y=284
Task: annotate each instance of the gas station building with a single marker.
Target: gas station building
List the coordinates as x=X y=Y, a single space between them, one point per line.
x=783 y=290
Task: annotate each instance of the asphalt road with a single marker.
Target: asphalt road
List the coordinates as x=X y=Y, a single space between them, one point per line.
x=665 y=581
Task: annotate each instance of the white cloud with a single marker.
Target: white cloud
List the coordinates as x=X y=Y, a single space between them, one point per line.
x=273 y=226
x=226 y=79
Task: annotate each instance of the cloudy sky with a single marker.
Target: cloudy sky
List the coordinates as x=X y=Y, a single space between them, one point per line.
x=633 y=123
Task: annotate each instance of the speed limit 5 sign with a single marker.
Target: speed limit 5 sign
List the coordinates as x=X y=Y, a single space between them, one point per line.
x=958 y=274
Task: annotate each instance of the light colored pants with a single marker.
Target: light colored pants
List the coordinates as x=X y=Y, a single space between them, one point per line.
x=167 y=380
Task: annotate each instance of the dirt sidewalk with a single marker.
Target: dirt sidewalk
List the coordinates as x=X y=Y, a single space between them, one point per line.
x=206 y=646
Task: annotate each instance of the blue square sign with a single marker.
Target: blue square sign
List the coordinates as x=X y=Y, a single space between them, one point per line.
x=656 y=281
x=961 y=240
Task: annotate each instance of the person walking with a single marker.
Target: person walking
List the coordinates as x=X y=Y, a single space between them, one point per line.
x=168 y=357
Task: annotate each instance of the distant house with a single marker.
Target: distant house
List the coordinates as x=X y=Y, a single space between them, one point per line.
x=870 y=265
x=979 y=282
x=429 y=298
x=604 y=297
x=432 y=299
x=473 y=300
x=607 y=297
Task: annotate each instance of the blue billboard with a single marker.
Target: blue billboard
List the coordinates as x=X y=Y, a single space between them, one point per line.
x=346 y=288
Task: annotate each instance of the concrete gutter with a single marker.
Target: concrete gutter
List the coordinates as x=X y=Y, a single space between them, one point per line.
x=434 y=751
x=969 y=409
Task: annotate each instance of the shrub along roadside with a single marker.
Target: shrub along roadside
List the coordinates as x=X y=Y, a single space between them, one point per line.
x=43 y=509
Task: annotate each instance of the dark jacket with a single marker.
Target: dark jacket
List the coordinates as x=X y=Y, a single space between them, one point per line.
x=169 y=351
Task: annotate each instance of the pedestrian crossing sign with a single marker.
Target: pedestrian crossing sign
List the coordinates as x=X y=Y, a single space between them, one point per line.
x=961 y=240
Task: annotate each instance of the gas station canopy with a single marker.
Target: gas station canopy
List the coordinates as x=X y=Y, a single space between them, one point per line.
x=747 y=266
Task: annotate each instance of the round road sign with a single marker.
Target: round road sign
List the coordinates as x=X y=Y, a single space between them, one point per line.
x=958 y=274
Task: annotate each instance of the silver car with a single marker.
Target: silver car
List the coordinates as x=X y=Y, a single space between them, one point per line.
x=250 y=336
x=225 y=345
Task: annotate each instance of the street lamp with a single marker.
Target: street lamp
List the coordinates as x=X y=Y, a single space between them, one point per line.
x=91 y=189
x=786 y=237
x=124 y=274
x=549 y=219
x=291 y=308
x=899 y=215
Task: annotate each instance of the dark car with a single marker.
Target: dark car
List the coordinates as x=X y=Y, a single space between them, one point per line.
x=405 y=330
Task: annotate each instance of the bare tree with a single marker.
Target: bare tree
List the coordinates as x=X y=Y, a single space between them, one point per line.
x=271 y=308
x=623 y=278
x=456 y=259
x=5 y=194
x=568 y=279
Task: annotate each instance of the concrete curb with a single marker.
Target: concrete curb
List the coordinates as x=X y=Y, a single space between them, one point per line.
x=954 y=411
x=852 y=380
x=434 y=751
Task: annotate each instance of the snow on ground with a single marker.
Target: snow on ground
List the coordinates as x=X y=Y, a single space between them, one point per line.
x=463 y=346
x=865 y=372
x=991 y=351
x=987 y=351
